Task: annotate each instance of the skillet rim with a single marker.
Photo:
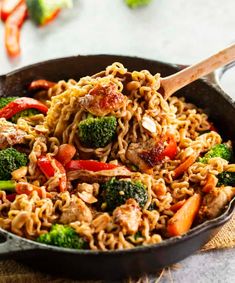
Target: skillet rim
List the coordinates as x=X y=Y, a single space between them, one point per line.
x=212 y=82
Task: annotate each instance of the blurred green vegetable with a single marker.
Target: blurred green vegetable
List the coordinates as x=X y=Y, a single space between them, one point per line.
x=44 y=11
x=137 y=3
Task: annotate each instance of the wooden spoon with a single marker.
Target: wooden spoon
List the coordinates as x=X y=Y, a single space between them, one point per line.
x=172 y=83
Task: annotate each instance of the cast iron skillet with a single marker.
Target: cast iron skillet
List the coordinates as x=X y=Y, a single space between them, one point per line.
x=141 y=260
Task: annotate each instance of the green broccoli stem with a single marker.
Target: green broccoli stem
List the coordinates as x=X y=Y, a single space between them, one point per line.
x=7 y=186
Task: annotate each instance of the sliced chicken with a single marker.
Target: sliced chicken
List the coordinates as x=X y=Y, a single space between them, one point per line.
x=214 y=202
x=145 y=155
x=102 y=99
x=128 y=216
x=98 y=177
x=10 y=134
x=77 y=211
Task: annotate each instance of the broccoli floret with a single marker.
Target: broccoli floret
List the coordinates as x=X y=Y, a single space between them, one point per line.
x=226 y=179
x=25 y=113
x=62 y=236
x=219 y=150
x=10 y=160
x=97 y=132
x=41 y=11
x=137 y=3
x=117 y=192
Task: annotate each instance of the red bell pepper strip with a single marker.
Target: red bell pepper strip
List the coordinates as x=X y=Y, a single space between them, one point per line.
x=171 y=149
x=90 y=165
x=8 y=6
x=44 y=163
x=40 y=84
x=20 y=104
x=12 y=29
x=12 y=40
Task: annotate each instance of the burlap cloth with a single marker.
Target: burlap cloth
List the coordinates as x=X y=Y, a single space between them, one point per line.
x=14 y=272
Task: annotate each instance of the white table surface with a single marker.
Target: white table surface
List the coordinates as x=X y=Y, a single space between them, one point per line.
x=177 y=31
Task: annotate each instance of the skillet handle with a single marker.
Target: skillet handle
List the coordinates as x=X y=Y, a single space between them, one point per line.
x=10 y=244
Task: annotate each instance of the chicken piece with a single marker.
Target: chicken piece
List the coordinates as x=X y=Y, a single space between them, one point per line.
x=86 y=192
x=145 y=155
x=128 y=216
x=101 y=222
x=10 y=134
x=99 y=176
x=214 y=202
x=102 y=99
x=77 y=211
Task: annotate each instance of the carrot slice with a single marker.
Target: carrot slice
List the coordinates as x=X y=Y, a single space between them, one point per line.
x=65 y=153
x=211 y=182
x=177 y=205
x=183 y=219
x=185 y=165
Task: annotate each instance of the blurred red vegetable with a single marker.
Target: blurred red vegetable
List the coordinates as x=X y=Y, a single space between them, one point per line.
x=12 y=29
x=41 y=84
x=90 y=165
x=7 y=7
x=44 y=163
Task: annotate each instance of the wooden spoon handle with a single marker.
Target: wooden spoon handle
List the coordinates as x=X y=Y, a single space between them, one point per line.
x=172 y=83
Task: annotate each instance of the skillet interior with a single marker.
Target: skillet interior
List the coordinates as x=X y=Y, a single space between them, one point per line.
x=118 y=264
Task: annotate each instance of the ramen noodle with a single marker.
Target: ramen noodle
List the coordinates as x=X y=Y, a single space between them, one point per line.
x=114 y=161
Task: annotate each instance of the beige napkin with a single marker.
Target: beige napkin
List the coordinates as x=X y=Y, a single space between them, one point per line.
x=14 y=272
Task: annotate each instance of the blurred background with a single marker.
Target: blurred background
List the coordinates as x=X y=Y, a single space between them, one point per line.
x=177 y=31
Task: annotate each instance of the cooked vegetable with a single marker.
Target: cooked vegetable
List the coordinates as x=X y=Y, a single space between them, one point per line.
x=183 y=219
x=40 y=84
x=65 y=153
x=17 y=105
x=12 y=29
x=177 y=205
x=6 y=100
x=137 y=3
x=26 y=188
x=184 y=166
x=43 y=11
x=62 y=236
x=25 y=113
x=90 y=165
x=97 y=132
x=10 y=160
x=8 y=6
x=45 y=165
x=116 y=192
x=211 y=182
x=170 y=150
x=220 y=150
x=7 y=186
x=226 y=179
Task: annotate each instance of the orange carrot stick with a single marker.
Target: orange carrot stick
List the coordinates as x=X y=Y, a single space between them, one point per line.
x=177 y=205
x=183 y=219
x=185 y=165
x=211 y=182
x=65 y=153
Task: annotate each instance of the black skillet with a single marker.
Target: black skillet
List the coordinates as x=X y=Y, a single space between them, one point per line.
x=95 y=265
